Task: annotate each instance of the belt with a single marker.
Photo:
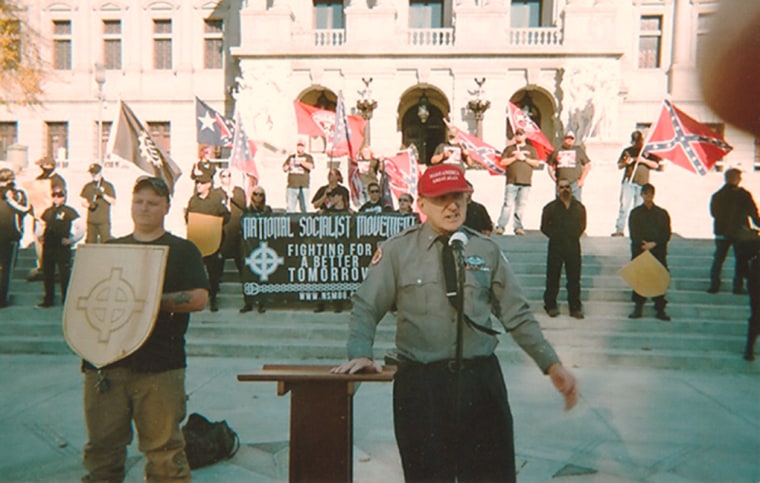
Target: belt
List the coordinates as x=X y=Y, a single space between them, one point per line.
x=446 y=364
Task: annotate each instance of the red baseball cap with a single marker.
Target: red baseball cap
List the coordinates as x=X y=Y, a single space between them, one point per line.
x=442 y=179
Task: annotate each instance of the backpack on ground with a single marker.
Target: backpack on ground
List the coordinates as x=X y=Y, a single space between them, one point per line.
x=208 y=442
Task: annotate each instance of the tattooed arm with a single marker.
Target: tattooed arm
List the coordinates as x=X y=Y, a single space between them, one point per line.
x=192 y=300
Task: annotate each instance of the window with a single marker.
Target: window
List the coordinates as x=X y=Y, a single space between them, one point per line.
x=8 y=136
x=425 y=14
x=650 y=42
x=213 y=45
x=103 y=137
x=112 y=44
x=328 y=14
x=525 y=13
x=704 y=21
x=62 y=44
x=58 y=142
x=162 y=44
x=10 y=31
x=161 y=134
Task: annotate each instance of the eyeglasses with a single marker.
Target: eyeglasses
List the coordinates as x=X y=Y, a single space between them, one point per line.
x=374 y=191
x=564 y=187
x=224 y=176
x=58 y=195
x=257 y=194
x=569 y=137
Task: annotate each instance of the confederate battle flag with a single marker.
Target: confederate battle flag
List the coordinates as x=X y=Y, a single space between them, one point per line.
x=481 y=152
x=536 y=137
x=686 y=142
x=402 y=171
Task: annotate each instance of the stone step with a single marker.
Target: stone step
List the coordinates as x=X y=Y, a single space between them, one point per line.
x=692 y=358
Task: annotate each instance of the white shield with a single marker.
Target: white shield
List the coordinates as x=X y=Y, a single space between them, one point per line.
x=113 y=300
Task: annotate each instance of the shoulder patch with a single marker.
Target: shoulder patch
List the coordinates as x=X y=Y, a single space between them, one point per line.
x=377 y=256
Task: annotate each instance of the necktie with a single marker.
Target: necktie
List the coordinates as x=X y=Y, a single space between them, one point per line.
x=449 y=270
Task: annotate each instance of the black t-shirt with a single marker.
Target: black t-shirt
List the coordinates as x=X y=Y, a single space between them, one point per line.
x=58 y=220
x=165 y=348
x=370 y=207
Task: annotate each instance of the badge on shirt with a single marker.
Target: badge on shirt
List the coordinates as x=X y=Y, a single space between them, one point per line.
x=474 y=262
x=377 y=256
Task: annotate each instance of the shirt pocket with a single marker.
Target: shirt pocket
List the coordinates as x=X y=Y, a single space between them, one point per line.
x=477 y=294
x=419 y=293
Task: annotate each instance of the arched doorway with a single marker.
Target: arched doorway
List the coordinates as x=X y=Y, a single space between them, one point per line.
x=421 y=112
x=539 y=106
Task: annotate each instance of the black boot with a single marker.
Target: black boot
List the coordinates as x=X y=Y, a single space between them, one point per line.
x=749 y=351
x=637 y=312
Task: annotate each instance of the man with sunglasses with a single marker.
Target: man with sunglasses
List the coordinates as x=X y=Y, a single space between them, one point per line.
x=59 y=233
x=563 y=221
x=569 y=162
x=147 y=388
x=375 y=203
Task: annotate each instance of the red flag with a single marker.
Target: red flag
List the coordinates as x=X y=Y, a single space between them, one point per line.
x=480 y=152
x=243 y=151
x=313 y=121
x=519 y=119
x=686 y=142
x=305 y=119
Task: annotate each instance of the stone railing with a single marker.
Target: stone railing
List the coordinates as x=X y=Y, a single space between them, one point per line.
x=443 y=37
x=535 y=37
x=329 y=37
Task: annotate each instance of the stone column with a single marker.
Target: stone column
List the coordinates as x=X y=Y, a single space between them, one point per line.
x=682 y=72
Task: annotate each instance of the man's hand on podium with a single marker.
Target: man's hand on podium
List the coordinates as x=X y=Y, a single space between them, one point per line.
x=360 y=364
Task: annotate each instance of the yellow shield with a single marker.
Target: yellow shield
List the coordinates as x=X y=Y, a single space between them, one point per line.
x=113 y=299
x=646 y=275
x=205 y=231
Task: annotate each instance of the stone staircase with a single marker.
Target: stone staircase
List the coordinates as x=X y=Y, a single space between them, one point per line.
x=707 y=332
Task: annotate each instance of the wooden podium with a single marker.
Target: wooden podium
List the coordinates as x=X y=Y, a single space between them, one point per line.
x=321 y=417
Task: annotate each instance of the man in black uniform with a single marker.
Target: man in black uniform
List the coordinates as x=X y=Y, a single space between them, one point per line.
x=14 y=205
x=47 y=172
x=98 y=196
x=563 y=221
x=451 y=416
x=649 y=226
x=59 y=235
x=147 y=387
x=214 y=203
x=731 y=208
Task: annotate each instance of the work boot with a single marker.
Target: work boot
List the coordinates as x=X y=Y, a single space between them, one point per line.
x=246 y=308
x=749 y=351
x=662 y=315
x=636 y=314
x=552 y=312
x=213 y=306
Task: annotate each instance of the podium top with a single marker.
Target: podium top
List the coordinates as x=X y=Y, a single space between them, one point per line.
x=300 y=373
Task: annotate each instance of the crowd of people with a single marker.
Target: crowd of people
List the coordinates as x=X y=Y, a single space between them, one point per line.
x=444 y=206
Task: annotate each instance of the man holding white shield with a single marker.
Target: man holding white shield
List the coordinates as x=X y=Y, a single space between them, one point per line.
x=148 y=386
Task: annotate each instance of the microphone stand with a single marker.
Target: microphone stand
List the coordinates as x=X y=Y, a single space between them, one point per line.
x=458 y=250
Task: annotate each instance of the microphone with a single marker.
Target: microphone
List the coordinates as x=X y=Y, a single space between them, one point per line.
x=458 y=240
